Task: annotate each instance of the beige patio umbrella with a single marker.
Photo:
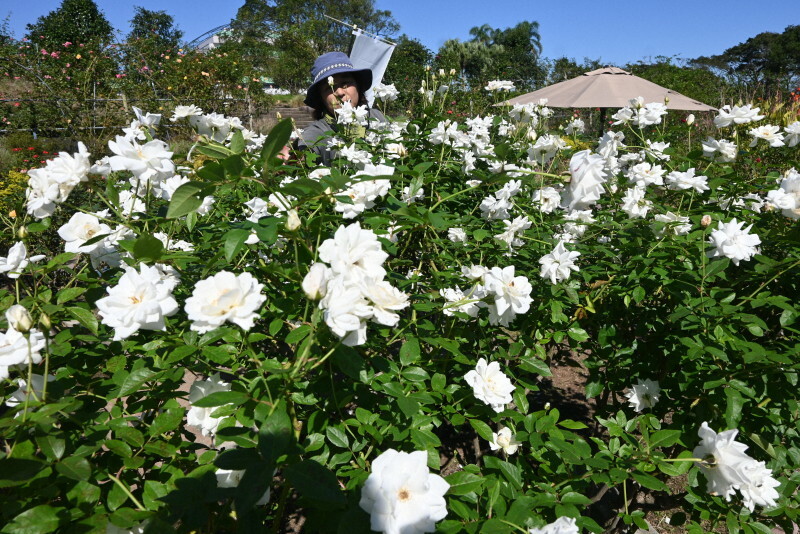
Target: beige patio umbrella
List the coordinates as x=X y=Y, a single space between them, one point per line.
x=608 y=87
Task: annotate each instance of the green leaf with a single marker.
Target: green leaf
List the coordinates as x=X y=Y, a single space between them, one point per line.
x=409 y=407
x=186 y=199
x=52 y=446
x=733 y=410
x=17 y=471
x=532 y=364
x=84 y=317
x=298 y=334
x=221 y=398
x=214 y=151
x=495 y=526
x=275 y=434
x=278 y=138
x=575 y=498
x=315 y=482
x=577 y=333
x=665 y=438
x=409 y=352
x=483 y=430
x=463 y=482
x=37 y=520
x=238 y=143
x=134 y=381
x=337 y=436
x=148 y=248
x=650 y=482
x=166 y=421
x=75 y=467
x=112 y=193
x=68 y=294
x=234 y=241
x=233 y=165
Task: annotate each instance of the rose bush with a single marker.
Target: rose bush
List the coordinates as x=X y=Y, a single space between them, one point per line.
x=231 y=341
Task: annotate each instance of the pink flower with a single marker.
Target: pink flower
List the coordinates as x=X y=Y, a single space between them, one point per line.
x=66 y=43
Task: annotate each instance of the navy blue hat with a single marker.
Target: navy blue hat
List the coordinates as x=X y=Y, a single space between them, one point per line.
x=328 y=65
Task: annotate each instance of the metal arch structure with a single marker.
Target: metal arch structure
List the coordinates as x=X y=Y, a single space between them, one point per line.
x=193 y=44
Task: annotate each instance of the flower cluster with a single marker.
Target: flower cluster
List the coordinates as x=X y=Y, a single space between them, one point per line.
x=351 y=287
x=499 y=85
x=51 y=185
x=20 y=344
x=728 y=468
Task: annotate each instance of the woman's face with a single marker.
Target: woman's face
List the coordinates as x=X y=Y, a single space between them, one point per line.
x=344 y=89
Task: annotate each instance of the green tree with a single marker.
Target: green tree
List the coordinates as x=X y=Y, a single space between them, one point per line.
x=155 y=27
x=474 y=61
x=76 y=21
x=564 y=68
x=407 y=68
x=769 y=58
x=153 y=36
x=307 y=18
x=511 y=54
x=696 y=83
x=252 y=34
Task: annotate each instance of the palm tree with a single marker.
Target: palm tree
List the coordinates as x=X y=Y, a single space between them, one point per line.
x=533 y=36
x=483 y=34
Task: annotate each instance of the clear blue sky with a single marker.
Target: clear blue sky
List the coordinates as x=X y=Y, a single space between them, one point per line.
x=615 y=31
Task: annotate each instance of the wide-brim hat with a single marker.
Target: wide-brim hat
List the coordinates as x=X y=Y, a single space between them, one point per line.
x=328 y=65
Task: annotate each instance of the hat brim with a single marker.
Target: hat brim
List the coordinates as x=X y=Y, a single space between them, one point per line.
x=363 y=80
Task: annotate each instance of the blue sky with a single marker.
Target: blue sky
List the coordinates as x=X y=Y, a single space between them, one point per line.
x=614 y=31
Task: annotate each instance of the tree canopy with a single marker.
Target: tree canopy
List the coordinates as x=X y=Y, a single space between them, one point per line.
x=307 y=18
x=769 y=58
x=511 y=54
x=157 y=27
x=76 y=21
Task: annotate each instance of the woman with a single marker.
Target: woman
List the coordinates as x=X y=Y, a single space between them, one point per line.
x=349 y=85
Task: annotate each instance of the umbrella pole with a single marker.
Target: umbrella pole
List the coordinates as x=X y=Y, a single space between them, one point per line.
x=602 y=121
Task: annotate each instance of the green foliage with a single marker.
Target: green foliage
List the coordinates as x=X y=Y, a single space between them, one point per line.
x=304 y=415
x=76 y=21
x=509 y=54
x=769 y=58
x=407 y=68
x=696 y=83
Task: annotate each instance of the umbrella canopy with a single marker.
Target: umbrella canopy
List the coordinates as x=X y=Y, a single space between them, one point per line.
x=608 y=87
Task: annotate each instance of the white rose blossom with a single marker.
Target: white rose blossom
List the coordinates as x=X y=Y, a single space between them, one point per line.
x=17 y=259
x=687 y=180
x=457 y=235
x=769 y=133
x=504 y=440
x=733 y=241
x=559 y=264
x=32 y=391
x=727 y=468
x=402 y=496
x=224 y=297
x=562 y=525
x=140 y=301
x=230 y=478
x=792 y=134
x=19 y=318
x=644 y=394
x=490 y=385
x=202 y=417
x=18 y=349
